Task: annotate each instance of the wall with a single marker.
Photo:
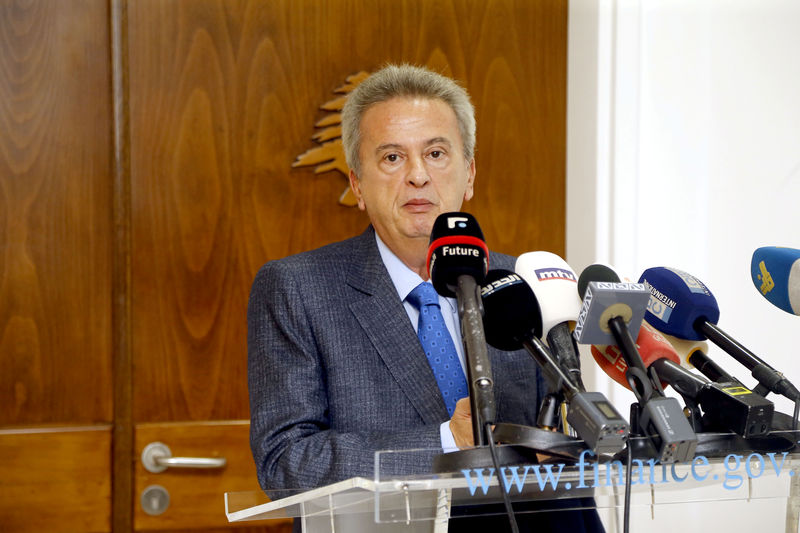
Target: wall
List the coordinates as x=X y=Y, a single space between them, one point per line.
x=147 y=154
x=684 y=150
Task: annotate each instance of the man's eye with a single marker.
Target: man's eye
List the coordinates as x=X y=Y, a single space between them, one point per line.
x=436 y=154
x=392 y=158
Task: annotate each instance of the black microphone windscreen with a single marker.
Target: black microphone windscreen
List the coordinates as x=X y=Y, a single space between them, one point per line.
x=456 y=248
x=596 y=272
x=511 y=311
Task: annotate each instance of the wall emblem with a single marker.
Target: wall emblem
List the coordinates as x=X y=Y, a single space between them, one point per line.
x=329 y=155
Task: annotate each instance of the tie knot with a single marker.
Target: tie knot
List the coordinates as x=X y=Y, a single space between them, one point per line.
x=423 y=294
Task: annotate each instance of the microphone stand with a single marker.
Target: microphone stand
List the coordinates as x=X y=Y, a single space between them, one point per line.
x=479 y=367
x=769 y=379
x=481 y=392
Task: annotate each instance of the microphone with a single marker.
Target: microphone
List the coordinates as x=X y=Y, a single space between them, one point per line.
x=681 y=305
x=512 y=315
x=609 y=356
x=511 y=310
x=776 y=275
x=457 y=248
x=685 y=348
x=694 y=354
x=512 y=321
x=709 y=368
x=727 y=405
x=553 y=282
x=652 y=345
x=609 y=309
x=458 y=260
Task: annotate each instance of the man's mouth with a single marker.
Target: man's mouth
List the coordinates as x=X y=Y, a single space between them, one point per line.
x=418 y=205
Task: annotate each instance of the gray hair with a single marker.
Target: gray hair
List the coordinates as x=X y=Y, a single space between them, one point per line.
x=405 y=81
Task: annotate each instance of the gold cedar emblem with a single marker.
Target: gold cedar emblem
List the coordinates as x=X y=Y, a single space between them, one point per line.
x=329 y=155
x=767 y=283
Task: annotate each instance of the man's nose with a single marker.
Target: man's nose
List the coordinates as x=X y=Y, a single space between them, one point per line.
x=417 y=172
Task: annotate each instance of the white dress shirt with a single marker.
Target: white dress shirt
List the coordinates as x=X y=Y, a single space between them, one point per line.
x=405 y=280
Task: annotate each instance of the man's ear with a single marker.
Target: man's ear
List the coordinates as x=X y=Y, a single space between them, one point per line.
x=355 y=186
x=469 y=190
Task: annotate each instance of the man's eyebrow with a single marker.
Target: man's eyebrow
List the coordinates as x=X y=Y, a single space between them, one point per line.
x=388 y=146
x=438 y=140
x=397 y=146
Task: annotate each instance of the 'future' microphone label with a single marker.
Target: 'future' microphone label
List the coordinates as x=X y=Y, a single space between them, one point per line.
x=461 y=251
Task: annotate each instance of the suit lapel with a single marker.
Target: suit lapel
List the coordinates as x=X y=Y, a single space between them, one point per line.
x=385 y=322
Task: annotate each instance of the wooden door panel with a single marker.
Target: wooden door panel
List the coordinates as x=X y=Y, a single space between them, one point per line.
x=55 y=479
x=196 y=495
x=55 y=239
x=55 y=267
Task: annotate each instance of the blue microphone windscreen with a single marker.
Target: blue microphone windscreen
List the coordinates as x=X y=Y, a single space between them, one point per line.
x=677 y=301
x=776 y=275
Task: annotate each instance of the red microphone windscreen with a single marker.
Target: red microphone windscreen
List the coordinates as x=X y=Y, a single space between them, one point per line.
x=652 y=346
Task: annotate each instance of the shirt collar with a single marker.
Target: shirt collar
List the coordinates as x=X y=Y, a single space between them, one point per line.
x=403 y=278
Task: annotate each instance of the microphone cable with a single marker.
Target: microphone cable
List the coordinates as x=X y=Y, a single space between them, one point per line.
x=626 y=512
x=501 y=482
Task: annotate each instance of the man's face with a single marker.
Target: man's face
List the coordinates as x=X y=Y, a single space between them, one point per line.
x=412 y=168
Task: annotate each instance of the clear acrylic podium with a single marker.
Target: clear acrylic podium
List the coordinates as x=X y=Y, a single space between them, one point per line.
x=738 y=492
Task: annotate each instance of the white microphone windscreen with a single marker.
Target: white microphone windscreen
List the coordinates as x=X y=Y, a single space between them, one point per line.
x=555 y=285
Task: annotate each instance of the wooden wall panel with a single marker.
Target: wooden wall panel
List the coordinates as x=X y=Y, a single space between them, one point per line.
x=224 y=96
x=214 y=131
x=55 y=245
x=520 y=93
x=55 y=479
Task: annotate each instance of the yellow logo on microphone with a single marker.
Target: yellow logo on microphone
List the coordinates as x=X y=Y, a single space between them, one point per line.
x=737 y=391
x=766 y=279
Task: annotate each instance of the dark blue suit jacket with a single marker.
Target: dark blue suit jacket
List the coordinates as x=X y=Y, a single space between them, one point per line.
x=336 y=371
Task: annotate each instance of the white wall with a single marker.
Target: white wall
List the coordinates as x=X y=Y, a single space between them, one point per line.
x=684 y=150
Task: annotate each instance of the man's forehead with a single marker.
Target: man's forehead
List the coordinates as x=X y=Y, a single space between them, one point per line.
x=432 y=118
x=406 y=106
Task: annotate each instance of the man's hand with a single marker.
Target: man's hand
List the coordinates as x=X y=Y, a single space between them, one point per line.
x=461 y=424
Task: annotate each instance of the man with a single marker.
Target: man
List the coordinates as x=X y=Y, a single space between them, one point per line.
x=336 y=368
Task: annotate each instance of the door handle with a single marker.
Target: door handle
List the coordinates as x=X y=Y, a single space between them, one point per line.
x=157 y=457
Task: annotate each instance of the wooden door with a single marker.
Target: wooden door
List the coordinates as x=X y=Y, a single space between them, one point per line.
x=56 y=389
x=147 y=172
x=224 y=96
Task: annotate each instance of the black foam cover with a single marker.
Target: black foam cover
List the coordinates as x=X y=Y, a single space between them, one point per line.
x=511 y=311
x=596 y=272
x=456 y=248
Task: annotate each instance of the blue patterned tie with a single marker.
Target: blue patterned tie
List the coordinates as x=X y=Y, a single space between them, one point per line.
x=438 y=345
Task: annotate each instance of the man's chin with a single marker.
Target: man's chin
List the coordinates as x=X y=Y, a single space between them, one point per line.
x=421 y=227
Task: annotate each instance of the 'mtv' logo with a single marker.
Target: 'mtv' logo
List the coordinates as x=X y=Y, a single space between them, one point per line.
x=545 y=274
